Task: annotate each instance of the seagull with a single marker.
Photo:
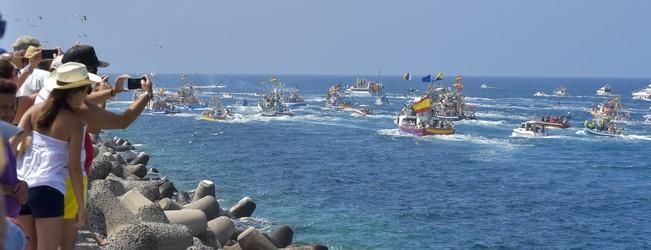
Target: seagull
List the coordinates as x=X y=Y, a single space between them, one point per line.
x=83 y=18
x=40 y=17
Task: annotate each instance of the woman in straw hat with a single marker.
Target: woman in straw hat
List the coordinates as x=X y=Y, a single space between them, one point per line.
x=53 y=154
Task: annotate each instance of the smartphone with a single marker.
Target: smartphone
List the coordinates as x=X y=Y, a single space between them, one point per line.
x=134 y=83
x=48 y=53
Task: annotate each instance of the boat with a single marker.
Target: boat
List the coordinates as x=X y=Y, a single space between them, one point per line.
x=216 y=112
x=291 y=98
x=187 y=98
x=540 y=93
x=643 y=94
x=484 y=86
x=381 y=100
x=560 y=91
x=416 y=119
x=362 y=111
x=602 y=127
x=449 y=104
x=271 y=104
x=605 y=90
x=562 y=121
x=364 y=88
x=227 y=95
x=611 y=109
x=529 y=129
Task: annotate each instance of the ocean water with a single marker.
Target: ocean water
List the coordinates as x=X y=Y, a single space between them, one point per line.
x=357 y=183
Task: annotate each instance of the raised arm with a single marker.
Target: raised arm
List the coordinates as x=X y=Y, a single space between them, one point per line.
x=99 y=118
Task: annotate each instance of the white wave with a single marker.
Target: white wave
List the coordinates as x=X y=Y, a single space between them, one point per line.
x=489 y=123
x=478 y=99
x=393 y=132
x=138 y=145
x=637 y=137
x=214 y=86
x=183 y=115
x=379 y=116
x=262 y=224
x=500 y=116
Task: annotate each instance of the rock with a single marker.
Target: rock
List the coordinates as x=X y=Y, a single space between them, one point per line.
x=194 y=219
x=251 y=238
x=243 y=208
x=137 y=170
x=199 y=245
x=103 y=194
x=208 y=205
x=142 y=207
x=183 y=198
x=222 y=228
x=153 y=170
x=208 y=239
x=204 y=188
x=95 y=150
x=128 y=155
x=147 y=188
x=235 y=246
x=119 y=159
x=142 y=158
x=169 y=204
x=151 y=236
x=100 y=169
x=166 y=189
x=283 y=236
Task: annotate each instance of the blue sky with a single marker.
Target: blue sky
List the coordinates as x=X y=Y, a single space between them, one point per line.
x=480 y=37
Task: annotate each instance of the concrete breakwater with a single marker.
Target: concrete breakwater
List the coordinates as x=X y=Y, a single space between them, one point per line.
x=134 y=208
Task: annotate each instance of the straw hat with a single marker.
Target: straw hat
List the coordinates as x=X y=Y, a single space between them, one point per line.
x=71 y=75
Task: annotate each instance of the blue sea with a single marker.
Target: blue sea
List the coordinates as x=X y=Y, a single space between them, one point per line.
x=357 y=183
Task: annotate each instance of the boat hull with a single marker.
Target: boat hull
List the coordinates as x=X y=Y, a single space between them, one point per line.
x=599 y=133
x=274 y=114
x=526 y=134
x=427 y=131
x=294 y=104
x=212 y=118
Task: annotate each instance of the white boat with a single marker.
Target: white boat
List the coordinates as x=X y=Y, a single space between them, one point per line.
x=364 y=88
x=643 y=94
x=560 y=91
x=540 y=93
x=292 y=99
x=604 y=90
x=362 y=111
x=484 y=86
x=529 y=129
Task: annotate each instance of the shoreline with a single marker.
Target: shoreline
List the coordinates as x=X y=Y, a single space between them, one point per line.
x=132 y=207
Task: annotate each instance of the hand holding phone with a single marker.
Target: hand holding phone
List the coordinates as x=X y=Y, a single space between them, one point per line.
x=49 y=53
x=134 y=83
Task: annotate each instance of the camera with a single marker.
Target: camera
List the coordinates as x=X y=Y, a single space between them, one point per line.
x=135 y=83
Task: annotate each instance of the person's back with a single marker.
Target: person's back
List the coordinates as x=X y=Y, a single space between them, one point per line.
x=53 y=154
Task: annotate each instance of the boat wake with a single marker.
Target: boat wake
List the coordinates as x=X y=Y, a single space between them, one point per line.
x=485 y=123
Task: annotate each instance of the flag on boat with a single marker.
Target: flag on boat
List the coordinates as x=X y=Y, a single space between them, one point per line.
x=428 y=78
x=407 y=76
x=458 y=84
x=439 y=76
x=422 y=105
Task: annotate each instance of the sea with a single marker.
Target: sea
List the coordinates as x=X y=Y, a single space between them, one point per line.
x=351 y=182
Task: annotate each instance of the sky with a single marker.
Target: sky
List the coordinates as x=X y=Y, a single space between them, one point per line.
x=573 y=38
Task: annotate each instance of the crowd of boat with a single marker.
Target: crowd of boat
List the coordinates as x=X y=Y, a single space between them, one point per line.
x=433 y=112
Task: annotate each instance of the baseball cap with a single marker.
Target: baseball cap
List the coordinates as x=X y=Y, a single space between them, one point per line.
x=23 y=42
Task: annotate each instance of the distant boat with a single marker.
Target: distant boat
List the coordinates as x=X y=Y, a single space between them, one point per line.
x=362 y=111
x=560 y=91
x=484 y=86
x=605 y=90
x=381 y=100
x=540 y=93
x=364 y=88
x=529 y=129
x=643 y=94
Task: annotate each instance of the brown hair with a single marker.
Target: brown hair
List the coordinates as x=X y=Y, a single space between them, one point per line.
x=7 y=87
x=54 y=104
x=7 y=69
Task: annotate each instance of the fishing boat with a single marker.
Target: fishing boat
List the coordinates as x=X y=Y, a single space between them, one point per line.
x=605 y=90
x=540 y=93
x=449 y=104
x=562 y=121
x=529 y=129
x=216 y=112
x=291 y=98
x=187 y=98
x=162 y=106
x=643 y=94
x=271 y=104
x=364 y=88
x=602 y=127
x=612 y=109
x=362 y=111
x=560 y=91
x=416 y=119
